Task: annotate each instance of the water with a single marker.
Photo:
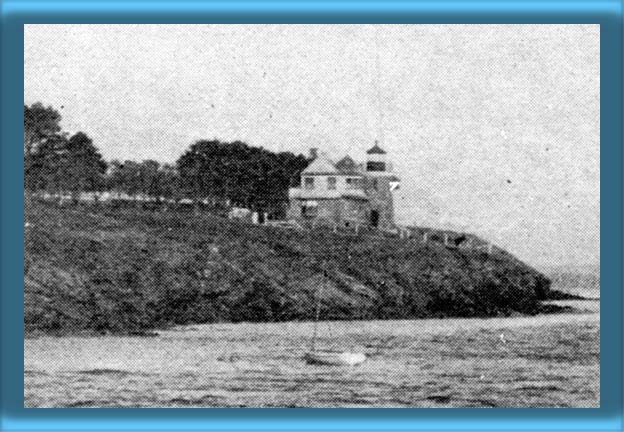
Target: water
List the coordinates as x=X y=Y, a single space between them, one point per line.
x=546 y=361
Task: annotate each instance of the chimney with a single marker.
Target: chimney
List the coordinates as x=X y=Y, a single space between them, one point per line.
x=313 y=153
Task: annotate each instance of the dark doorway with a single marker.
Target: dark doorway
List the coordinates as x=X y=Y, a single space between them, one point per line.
x=374 y=218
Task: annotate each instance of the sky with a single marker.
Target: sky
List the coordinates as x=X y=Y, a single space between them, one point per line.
x=493 y=129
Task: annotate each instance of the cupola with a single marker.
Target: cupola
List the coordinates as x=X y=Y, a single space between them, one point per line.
x=376 y=158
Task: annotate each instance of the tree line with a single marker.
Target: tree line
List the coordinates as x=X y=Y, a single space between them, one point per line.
x=222 y=173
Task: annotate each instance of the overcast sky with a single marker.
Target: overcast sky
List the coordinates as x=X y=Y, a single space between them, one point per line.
x=493 y=129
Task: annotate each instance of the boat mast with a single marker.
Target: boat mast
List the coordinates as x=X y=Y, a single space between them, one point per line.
x=316 y=318
x=317 y=314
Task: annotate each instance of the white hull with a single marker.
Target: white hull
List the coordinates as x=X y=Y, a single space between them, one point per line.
x=334 y=358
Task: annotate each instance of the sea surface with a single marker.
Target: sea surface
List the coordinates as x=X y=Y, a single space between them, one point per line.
x=545 y=361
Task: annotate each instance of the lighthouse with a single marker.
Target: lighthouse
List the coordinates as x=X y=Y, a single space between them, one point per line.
x=380 y=182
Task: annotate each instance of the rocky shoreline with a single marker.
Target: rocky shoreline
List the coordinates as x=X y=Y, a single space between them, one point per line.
x=130 y=271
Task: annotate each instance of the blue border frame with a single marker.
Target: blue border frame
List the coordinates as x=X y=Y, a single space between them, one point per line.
x=607 y=13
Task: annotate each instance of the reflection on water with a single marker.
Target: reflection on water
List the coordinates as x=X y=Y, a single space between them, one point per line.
x=546 y=361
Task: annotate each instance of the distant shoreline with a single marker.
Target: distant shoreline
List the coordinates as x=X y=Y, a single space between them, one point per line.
x=555 y=294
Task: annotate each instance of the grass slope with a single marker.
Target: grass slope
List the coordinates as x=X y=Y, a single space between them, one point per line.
x=128 y=270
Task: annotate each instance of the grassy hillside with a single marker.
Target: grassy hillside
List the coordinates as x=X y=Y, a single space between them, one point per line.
x=128 y=270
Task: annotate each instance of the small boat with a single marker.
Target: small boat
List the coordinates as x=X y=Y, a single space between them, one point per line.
x=330 y=357
x=334 y=358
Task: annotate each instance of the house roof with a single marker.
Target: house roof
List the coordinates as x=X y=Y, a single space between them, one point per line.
x=346 y=165
x=375 y=149
x=321 y=165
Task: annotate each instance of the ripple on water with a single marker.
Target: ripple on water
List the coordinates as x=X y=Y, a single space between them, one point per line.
x=423 y=363
x=105 y=372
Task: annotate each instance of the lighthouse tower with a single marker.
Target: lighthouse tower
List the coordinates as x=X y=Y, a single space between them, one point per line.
x=380 y=182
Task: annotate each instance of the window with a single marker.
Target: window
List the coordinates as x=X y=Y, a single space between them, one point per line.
x=331 y=183
x=375 y=166
x=353 y=183
x=308 y=182
x=309 y=209
x=374 y=184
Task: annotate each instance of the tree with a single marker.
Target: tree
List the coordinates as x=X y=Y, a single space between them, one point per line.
x=41 y=131
x=84 y=166
x=125 y=177
x=246 y=176
x=113 y=175
x=169 y=182
x=201 y=170
x=285 y=172
x=40 y=123
x=45 y=167
x=149 y=178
